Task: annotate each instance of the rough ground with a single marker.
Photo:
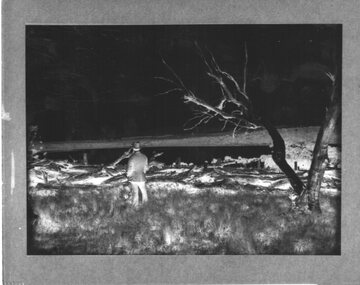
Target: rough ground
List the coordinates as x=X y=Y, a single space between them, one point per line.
x=222 y=209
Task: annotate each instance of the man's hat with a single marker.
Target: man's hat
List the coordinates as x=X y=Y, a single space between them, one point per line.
x=136 y=146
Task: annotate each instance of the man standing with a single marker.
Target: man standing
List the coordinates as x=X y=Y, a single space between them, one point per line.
x=137 y=167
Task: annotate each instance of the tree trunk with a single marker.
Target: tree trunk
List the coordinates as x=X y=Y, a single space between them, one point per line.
x=320 y=157
x=279 y=156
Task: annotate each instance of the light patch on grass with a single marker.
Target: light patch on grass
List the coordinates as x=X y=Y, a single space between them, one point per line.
x=47 y=225
x=44 y=193
x=244 y=207
x=223 y=231
x=268 y=236
x=303 y=245
x=123 y=243
x=223 y=191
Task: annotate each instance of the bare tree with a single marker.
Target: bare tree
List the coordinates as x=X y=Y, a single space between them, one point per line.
x=234 y=108
x=320 y=154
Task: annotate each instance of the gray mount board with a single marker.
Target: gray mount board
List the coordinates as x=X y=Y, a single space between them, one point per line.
x=22 y=269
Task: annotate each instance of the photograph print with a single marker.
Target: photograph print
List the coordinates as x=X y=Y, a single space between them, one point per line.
x=183 y=139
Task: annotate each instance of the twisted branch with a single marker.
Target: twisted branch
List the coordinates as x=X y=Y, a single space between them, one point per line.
x=205 y=112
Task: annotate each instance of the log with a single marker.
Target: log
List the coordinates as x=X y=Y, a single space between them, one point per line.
x=258 y=137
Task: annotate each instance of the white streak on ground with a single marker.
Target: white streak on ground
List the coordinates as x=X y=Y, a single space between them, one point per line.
x=91 y=181
x=173 y=170
x=74 y=170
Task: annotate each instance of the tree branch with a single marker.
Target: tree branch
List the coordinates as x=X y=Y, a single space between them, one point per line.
x=238 y=118
x=215 y=72
x=245 y=66
x=191 y=98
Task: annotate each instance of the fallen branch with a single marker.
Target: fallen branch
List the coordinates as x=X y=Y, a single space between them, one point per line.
x=125 y=155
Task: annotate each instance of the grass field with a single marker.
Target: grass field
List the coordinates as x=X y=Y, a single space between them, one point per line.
x=208 y=212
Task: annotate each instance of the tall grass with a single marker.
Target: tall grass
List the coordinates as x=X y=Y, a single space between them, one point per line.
x=101 y=220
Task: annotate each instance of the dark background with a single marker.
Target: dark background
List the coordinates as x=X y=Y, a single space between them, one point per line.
x=99 y=82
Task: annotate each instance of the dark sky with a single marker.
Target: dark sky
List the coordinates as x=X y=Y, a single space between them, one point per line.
x=95 y=82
